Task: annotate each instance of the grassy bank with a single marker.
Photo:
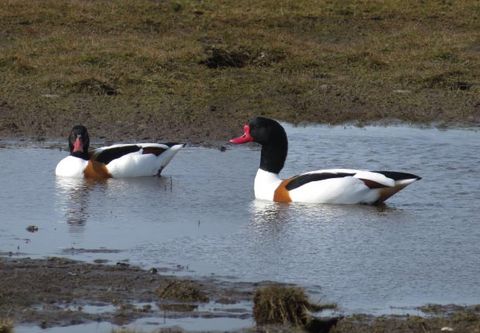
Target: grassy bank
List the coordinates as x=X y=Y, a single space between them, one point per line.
x=196 y=70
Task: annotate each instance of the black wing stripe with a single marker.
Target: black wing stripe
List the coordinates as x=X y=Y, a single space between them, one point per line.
x=153 y=150
x=171 y=144
x=108 y=155
x=398 y=175
x=312 y=177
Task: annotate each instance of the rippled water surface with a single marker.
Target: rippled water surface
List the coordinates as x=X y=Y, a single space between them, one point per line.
x=202 y=219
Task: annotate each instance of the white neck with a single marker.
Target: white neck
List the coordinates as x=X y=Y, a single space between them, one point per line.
x=265 y=184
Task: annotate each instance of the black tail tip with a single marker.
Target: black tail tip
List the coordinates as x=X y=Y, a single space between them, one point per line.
x=171 y=144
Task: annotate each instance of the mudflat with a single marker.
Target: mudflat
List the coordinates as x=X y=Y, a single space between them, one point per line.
x=57 y=291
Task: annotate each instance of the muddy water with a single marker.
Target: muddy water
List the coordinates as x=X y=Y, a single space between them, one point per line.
x=201 y=218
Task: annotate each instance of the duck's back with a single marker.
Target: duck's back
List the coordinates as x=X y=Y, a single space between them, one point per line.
x=346 y=186
x=138 y=160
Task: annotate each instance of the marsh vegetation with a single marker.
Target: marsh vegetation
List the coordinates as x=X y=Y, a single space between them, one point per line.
x=195 y=69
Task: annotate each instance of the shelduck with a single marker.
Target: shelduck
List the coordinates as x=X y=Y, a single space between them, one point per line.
x=116 y=161
x=334 y=186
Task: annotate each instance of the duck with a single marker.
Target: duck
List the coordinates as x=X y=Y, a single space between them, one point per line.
x=329 y=186
x=115 y=161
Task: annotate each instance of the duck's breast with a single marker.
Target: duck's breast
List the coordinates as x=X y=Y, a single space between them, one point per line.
x=266 y=184
x=71 y=166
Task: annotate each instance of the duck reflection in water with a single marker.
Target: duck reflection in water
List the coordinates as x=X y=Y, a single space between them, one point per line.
x=270 y=218
x=73 y=199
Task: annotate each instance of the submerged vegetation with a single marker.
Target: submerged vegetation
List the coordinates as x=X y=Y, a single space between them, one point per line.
x=188 y=69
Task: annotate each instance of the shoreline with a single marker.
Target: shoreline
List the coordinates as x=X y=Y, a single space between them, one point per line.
x=39 y=292
x=197 y=71
x=58 y=142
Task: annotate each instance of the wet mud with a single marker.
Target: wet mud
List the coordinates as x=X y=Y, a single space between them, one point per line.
x=59 y=292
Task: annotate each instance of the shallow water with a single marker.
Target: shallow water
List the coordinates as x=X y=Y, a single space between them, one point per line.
x=221 y=317
x=201 y=219
x=148 y=324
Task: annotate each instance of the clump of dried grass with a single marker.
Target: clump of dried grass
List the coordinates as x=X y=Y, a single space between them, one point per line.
x=6 y=326
x=182 y=290
x=283 y=305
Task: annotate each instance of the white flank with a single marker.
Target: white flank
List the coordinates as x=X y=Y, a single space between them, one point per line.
x=344 y=190
x=138 y=165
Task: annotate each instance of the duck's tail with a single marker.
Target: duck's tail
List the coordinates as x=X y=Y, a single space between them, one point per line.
x=401 y=180
x=169 y=154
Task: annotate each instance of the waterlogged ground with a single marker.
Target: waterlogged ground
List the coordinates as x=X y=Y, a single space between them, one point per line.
x=202 y=220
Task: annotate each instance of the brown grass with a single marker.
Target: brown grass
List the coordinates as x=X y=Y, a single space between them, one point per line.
x=6 y=326
x=283 y=305
x=182 y=290
x=190 y=69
